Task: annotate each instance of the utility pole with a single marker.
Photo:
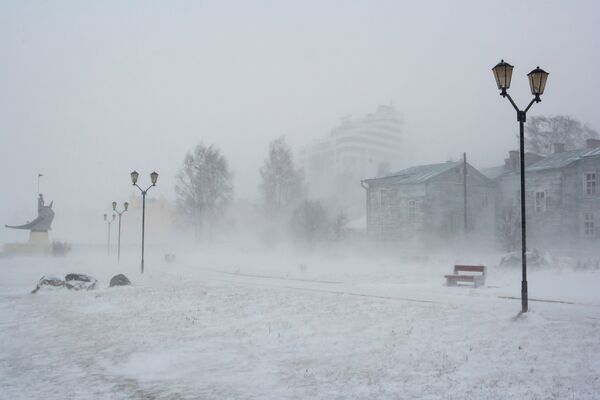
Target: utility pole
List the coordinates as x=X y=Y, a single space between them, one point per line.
x=465 y=190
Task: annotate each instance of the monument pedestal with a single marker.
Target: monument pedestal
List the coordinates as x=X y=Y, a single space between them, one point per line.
x=38 y=243
x=38 y=239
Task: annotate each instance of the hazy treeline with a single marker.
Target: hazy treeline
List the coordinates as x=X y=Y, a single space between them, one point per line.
x=283 y=210
x=204 y=189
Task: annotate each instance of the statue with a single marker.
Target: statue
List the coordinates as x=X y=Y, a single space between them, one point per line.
x=38 y=231
x=42 y=222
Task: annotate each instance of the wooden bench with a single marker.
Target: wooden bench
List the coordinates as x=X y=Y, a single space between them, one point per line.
x=476 y=279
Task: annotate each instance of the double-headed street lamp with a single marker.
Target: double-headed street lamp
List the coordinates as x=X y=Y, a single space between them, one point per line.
x=119 y=213
x=153 y=179
x=537 y=83
x=109 y=221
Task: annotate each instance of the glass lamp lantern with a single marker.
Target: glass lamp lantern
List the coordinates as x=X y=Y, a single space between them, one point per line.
x=537 y=81
x=134 y=177
x=503 y=74
x=154 y=177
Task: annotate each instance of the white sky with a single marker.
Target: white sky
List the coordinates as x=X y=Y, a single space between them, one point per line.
x=92 y=90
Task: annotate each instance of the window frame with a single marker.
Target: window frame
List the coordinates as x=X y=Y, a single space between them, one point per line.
x=590 y=186
x=589 y=224
x=540 y=207
x=411 y=210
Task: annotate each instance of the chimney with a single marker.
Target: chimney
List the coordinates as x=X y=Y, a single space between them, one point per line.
x=514 y=158
x=512 y=162
x=592 y=143
x=558 y=148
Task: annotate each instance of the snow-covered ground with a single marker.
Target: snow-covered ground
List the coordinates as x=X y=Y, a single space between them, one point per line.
x=251 y=324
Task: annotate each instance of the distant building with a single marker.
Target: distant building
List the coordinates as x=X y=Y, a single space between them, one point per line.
x=427 y=202
x=356 y=149
x=161 y=217
x=562 y=196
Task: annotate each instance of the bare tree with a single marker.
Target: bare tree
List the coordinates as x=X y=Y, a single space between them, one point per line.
x=542 y=132
x=508 y=230
x=203 y=186
x=282 y=185
x=339 y=226
x=309 y=222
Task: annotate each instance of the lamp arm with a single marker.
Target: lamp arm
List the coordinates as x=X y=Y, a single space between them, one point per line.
x=137 y=186
x=149 y=187
x=505 y=94
x=536 y=99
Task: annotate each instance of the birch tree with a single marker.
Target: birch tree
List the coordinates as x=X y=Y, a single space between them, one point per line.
x=541 y=133
x=204 y=187
x=282 y=184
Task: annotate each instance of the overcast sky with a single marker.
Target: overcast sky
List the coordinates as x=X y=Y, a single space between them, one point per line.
x=92 y=90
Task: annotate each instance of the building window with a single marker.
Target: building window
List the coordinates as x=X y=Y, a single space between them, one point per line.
x=590 y=183
x=540 y=202
x=412 y=210
x=485 y=201
x=589 y=228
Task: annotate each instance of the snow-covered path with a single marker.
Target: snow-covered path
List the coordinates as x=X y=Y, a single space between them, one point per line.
x=214 y=330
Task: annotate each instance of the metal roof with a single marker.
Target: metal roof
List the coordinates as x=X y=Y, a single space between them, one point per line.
x=493 y=172
x=419 y=173
x=563 y=159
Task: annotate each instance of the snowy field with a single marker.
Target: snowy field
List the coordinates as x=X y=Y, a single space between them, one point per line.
x=249 y=324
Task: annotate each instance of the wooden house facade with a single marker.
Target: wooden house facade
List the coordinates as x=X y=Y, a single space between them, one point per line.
x=562 y=198
x=428 y=202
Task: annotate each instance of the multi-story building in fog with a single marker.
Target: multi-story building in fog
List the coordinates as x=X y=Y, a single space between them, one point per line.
x=356 y=149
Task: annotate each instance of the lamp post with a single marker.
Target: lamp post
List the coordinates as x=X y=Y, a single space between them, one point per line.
x=119 y=213
x=108 y=221
x=537 y=83
x=153 y=179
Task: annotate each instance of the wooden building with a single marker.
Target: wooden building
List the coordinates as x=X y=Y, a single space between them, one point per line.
x=562 y=198
x=428 y=202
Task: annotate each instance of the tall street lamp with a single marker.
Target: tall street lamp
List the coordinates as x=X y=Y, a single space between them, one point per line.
x=109 y=221
x=119 y=213
x=153 y=179
x=537 y=83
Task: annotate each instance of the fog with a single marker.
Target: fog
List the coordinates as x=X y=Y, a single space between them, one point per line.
x=353 y=232
x=91 y=91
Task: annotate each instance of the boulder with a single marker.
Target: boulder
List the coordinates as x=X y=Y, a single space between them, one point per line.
x=119 y=280
x=80 y=282
x=50 y=282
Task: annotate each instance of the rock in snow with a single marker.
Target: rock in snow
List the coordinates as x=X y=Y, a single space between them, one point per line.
x=80 y=282
x=49 y=282
x=119 y=280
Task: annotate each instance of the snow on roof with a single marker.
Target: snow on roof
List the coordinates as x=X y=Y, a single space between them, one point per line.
x=563 y=159
x=419 y=173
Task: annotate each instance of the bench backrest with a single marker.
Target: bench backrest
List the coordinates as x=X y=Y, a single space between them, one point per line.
x=469 y=268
